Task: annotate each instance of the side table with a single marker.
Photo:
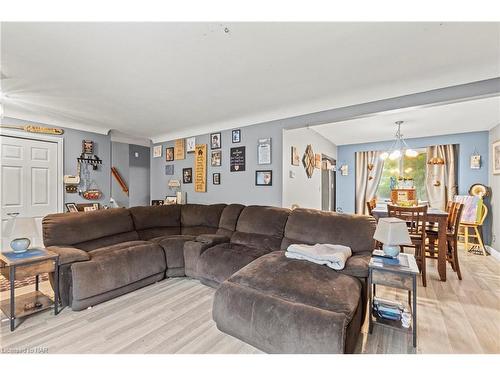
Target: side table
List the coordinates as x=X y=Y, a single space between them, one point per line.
x=398 y=273
x=17 y=266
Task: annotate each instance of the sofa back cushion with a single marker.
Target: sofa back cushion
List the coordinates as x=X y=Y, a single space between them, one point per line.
x=261 y=227
x=313 y=226
x=88 y=230
x=156 y=221
x=199 y=219
x=229 y=219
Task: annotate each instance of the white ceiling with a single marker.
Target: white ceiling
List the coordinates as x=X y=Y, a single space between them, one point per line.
x=475 y=115
x=168 y=80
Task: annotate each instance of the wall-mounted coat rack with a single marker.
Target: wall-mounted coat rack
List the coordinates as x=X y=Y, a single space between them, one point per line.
x=92 y=160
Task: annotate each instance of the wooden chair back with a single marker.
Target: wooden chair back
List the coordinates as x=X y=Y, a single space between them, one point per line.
x=415 y=217
x=454 y=215
x=370 y=205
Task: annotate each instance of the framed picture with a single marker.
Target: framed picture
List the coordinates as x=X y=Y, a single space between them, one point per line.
x=187 y=175
x=264 y=178
x=215 y=141
x=237 y=159
x=216 y=178
x=170 y=200
x=190 y=144
x=295 y=159
x=169 y=169
x=89 y=208
x=157 y=151
x=87 y=147
x=71 y=207
x=96 y=206
x=264 y=151
x=475 y=161
x=236 y=136
x=169 y=154
x=496 y=157
x=215 y=160
x=157 y=202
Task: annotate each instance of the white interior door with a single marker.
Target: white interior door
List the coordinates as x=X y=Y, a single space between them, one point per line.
x=29 y=178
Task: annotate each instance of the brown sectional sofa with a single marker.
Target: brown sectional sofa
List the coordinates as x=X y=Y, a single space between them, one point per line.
x=277 y=304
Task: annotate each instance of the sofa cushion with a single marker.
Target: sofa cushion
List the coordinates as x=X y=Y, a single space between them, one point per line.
x=357 y=265
x=219 y=262
x=229 y=219
x=283 y=305
x=313 y=226
x=115 y=266
x=199 y=218
x=261 y=227
x=156 y=221
x=83 y=227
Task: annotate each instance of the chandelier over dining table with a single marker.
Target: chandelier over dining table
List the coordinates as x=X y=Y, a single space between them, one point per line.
x=399 y=147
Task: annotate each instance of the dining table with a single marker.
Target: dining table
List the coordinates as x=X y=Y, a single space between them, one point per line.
x=434 y=215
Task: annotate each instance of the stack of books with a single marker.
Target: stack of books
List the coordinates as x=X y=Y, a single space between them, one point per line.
x=390 y=310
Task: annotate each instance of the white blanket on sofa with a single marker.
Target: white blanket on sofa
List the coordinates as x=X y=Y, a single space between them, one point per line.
x=333 y=256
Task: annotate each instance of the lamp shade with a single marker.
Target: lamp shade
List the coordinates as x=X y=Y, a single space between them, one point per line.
x=392 y=231
x=21 y=227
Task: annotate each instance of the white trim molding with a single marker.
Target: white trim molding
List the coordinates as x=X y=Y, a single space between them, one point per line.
x=494 y=253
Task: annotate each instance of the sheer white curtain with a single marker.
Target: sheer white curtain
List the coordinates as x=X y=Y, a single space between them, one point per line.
x=441 y=179
x=369 y=168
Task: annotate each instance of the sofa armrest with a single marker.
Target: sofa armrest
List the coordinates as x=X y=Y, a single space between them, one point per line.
x=68 y=254
x=357 y=264
x=212 y=239
x=192 y=252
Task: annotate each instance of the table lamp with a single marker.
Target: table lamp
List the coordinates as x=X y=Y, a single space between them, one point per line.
x=392 y=233
x=19 y=229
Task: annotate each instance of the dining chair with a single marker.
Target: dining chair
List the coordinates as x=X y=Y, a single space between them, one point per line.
x=416 y=221
x=370 y=205
x=477 y=229
x=452 y=226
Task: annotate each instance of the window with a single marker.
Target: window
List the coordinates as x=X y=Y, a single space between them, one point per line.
x=404 y=167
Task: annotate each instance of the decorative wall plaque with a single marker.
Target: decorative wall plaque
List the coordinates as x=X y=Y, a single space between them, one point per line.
x=200 y=169
x=179 y=149
x=237 y=159
x=308 y=161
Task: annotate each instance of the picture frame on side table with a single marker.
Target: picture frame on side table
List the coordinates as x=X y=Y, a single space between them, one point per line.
x=170 y=200
x=215 y=141
x=236 y=136
x=216 y=178
x=264 y=178
x=71 y=207
x=157 y=202
x=496 y=157
x=216 y=158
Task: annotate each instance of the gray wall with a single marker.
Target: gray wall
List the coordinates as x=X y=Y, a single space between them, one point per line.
x=139 y=175
x=134 y=171
x=235 y=187
x=72 y=150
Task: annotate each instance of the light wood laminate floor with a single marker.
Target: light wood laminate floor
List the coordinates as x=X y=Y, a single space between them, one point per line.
x=174 y=316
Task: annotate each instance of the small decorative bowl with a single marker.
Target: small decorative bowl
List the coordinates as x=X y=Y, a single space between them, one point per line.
x=20 y=245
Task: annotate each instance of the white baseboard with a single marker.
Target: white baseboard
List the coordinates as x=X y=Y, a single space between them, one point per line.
x=494 y=253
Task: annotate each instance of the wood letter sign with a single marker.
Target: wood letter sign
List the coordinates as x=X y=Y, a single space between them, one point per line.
x=200 y=169
x=179 y=149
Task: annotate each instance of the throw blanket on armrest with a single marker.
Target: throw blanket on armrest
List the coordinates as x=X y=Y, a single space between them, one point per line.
x=333 y=256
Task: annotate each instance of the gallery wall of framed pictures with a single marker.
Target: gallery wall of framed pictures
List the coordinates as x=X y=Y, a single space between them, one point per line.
x=232 y=158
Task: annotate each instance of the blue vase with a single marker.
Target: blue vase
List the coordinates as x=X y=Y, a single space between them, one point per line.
x=20 y=245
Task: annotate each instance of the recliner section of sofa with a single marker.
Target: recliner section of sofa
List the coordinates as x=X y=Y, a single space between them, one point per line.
x=259 y=230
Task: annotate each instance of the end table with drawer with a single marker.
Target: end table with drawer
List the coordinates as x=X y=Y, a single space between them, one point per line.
x=18 y=266
x=400 y=273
